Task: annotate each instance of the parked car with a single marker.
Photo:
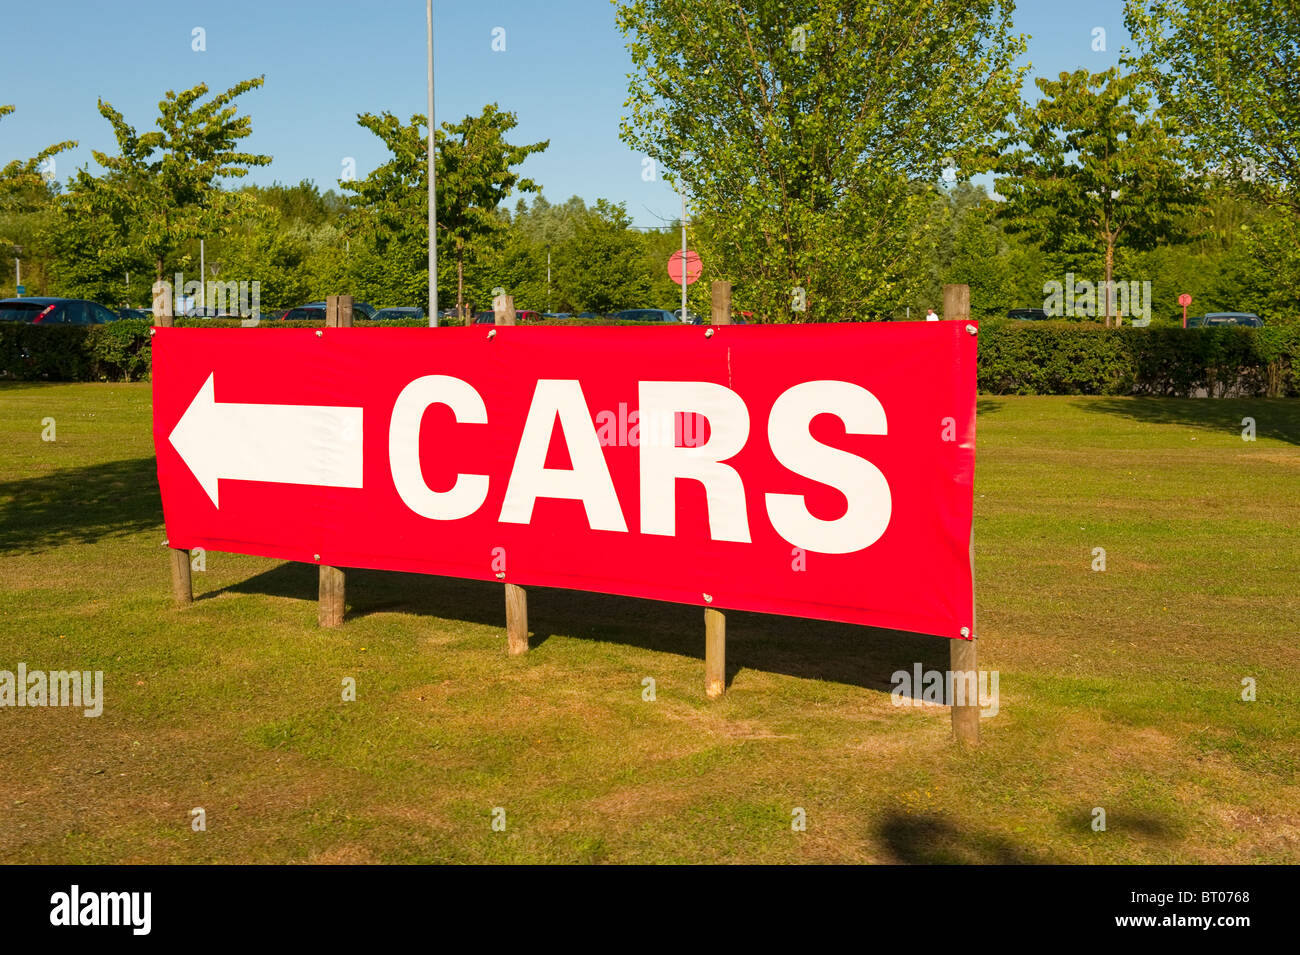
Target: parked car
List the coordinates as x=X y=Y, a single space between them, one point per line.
x=651 y=315
x=741 y=319
x=304 y=313
x=589 y=315
x=127 y=312
x=55 y=311
x=560 y=316
x=359 y=309
x=691 y=318
x=1029 y=314
x=521 y=315
x=402 y=311
x=1247 y=319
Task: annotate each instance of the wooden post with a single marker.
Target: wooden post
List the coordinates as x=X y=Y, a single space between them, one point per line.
x=956 y=302
x=516 y=620
x=516 y=596
x=182 y=588
x=332 y=600
x=162 y=304
x=715 y=621
x=962 y=658
x=721 y=303
x=182 y=591
x=329 y=611
x=504 y=306
x=344 y=316
x=338 y=311
x=715 y=653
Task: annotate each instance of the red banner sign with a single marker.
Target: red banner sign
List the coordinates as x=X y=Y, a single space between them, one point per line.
x=817 y=471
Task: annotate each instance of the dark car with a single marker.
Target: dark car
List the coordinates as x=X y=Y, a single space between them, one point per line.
x=359 y=309
x=1029 y=314
x=127 y=312
x=1209 y=319
x=589 y=315
x=411 y=311
x=304 y=313
x=55 y=311
x=651 y=315
x=521 y=315
x=741 y=319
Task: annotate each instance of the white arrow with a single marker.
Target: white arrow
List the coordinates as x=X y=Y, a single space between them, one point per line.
x=283 y=444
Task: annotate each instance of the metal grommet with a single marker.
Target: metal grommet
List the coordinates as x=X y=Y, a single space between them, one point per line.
x=965 y=633
x=708 y=333
x=971 y=329
x=492 y=334
x=319 y=333
x=708 y=598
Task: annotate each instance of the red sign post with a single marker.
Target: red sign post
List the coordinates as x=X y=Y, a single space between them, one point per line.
x=815 y=471
x=694 y=267
x=1184 y=300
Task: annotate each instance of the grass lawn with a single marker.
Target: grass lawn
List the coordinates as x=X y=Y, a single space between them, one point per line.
x=1118 y=689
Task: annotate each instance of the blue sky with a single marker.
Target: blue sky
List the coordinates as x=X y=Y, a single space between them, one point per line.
x=563 y=73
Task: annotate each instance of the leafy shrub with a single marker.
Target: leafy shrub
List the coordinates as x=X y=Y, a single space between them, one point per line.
x=1015 y=358
x=1054 y=358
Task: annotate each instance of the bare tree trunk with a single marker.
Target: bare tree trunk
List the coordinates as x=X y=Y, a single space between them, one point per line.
x=460 y=282
x=1110 y=268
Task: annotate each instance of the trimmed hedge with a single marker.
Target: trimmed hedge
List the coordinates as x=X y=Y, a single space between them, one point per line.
x=1015 y=358
x=1061 y=358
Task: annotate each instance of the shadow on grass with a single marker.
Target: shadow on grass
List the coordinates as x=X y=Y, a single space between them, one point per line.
x=79 y=505
x=985 y=406
x=1277 y=418
x=1145 y=825
x=809 y=649
x=928 y=839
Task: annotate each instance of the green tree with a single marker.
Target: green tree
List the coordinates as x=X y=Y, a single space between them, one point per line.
x=28 y=196
x=475 y=174
x=602 y=267
x=980 y=260
x=24 y=185
x=161 y=191
x=1091 y=167
x=1229 y=72
x=804 y=132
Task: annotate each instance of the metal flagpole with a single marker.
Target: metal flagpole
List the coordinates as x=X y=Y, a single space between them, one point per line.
x=684 y=253
x=433 y=189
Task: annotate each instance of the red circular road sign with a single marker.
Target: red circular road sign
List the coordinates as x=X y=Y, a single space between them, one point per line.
x=693 y=266
x=1184 y=300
